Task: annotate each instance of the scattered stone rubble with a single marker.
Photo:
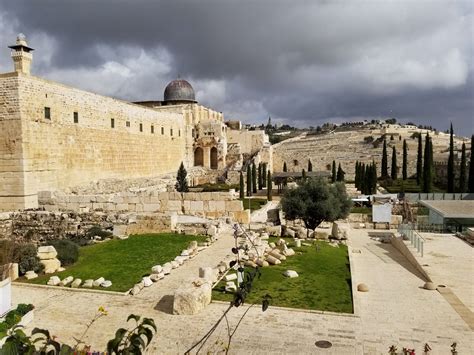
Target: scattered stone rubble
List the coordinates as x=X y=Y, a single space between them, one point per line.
x=159 y=272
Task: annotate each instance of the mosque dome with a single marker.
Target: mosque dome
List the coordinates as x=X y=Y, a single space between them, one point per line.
x=179 y=91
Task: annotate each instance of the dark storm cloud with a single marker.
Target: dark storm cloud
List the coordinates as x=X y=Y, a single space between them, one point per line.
x=302 y=61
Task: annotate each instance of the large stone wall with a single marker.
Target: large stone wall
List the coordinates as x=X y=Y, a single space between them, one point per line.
x=202 y=204
x=48 y=154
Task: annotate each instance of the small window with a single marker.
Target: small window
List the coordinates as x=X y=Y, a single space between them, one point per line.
x=76 y=117
x=141 y=127
x=112 y=122
x=193 y=132
x=47 y=113
x=127 y=124
x=162 y=130
x=152 y=129
x=179 y=133
x=171 y=132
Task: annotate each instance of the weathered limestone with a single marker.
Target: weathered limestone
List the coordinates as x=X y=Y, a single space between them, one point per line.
x=54 y=281
x=51 y=265
x=76 y=283
x=31 y=275
x=147 y=282
x=98 y=282
x=88 y=283
x=156 y=277
x=189 y=299
x=290 y=273
x=66 y=281
x=156 y=269
x=47 y=252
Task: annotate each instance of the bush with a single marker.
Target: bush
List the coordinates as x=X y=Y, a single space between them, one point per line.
x=68 y=252
x=97 y=231
x=23 y=308
x=26 y=257
x=12 y=318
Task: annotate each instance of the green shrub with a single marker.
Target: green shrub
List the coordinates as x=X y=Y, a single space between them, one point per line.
x=97 y=231
x=23 y=308
x=12 y=318
x=68 y=251
x=3 y=328
x=26 y=257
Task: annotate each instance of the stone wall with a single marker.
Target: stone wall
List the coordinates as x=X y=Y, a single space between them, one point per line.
x=40 y=226
x=202 y=204
x=46 y=154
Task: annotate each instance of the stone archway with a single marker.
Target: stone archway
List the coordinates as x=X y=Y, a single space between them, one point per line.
x=199 y=157
x=213 y=158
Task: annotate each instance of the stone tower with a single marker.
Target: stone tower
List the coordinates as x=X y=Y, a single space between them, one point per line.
x=22 y=55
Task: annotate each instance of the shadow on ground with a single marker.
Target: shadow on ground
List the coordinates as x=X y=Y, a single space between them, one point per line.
x=399 y=258
x=165 y=304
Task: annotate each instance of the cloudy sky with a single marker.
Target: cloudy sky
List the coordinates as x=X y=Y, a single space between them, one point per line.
x=300 y=62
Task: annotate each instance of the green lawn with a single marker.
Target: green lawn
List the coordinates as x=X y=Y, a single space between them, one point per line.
x=408 y=186
x=323 y=282
x=124 y=262
x=364 y=210
x=255 y=203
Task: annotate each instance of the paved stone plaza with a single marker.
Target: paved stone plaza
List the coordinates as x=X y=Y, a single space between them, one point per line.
x=396 y=310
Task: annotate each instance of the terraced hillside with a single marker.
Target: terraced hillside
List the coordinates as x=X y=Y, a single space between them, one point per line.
x=349 y=145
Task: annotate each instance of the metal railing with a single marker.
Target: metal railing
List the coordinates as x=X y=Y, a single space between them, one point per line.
x=416 y=240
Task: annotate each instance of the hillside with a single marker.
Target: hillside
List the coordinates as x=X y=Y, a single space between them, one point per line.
x=347 y=145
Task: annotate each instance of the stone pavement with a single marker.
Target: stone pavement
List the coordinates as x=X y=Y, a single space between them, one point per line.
x=394 y=311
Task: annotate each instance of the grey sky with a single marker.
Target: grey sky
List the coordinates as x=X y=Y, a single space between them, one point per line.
x=300 y=62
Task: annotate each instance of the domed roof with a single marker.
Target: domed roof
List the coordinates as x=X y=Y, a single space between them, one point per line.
x=179 y=90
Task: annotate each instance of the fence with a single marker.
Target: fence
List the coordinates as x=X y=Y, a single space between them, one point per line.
x=415 y=197
x=416 y=240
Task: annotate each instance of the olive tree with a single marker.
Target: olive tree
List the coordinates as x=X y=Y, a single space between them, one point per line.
x=314 y=201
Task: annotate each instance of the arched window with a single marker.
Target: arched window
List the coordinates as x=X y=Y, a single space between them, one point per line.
x=198 y=157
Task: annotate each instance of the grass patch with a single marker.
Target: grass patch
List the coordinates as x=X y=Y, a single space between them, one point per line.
x=324 y=281
x=255 y=203
x=363 y=210
x=124 y=262
x=408 y=186
x=216 y=187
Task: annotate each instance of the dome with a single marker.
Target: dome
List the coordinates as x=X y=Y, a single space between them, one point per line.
x=179 y=90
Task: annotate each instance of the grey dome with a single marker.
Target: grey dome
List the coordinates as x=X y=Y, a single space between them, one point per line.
x=179 y=90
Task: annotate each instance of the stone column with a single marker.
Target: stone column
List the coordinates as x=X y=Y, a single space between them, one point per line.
x=207 y=157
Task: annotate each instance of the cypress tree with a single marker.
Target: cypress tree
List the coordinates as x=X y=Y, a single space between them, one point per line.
x=362 y=179
x=285 y=169
x=241 y=186
x=384 y=173
x=264 y=174
x=366 y=181
x=310 y=165
x=427 y=166
x=451 y=161
x=181 y=180
x=373 y=180
x=394 y=167
x=269 y=186
x=254 y=178
x=356 y=175
x=260 y=176
x=462 y=173
x=419 y=162
x=340 y=173
x=470 y=183
x=405 y=161
x=333 y=177
x=249 y=181
x=303 y=175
